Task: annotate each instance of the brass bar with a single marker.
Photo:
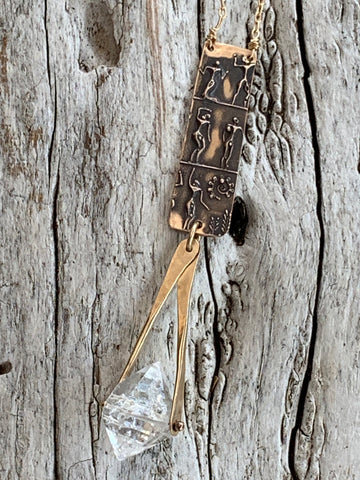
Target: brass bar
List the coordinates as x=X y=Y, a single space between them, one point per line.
x=184 y=290
x=205 y=186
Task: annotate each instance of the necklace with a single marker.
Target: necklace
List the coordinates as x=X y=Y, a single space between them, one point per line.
x=140 y=412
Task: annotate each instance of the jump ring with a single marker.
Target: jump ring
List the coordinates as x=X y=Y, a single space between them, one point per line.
x=192 y=236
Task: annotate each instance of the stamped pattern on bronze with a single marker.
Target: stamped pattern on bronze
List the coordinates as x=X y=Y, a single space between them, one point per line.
x=205 y=186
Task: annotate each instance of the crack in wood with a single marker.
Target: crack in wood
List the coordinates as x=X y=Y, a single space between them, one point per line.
x=94 y=407
x=55 y=236
x=200 y=25
x=217 y=348
x=318 y=179
x=56 y=314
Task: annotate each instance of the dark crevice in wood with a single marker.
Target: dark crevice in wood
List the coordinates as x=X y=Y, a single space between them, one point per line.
x=95 y=423
x=95 y=380
x=56 y=317
x=5 y=367
x=55 y=237
x=52 y=139
x=318 y=180
x=239 y=221
x=217 y=348
x=200 y=14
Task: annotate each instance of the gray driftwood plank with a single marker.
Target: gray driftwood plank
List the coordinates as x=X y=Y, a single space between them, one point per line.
x=94 y=100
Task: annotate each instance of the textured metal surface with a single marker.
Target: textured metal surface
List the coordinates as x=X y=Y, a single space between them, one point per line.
x=205 y=185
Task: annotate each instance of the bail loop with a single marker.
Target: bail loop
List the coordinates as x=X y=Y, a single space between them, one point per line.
x=192 y=236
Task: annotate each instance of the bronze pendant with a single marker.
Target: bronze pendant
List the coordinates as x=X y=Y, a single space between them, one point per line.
x=205 y=187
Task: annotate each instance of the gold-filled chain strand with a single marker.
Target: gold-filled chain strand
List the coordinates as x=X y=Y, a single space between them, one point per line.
x=211 y=38
x=254 y=43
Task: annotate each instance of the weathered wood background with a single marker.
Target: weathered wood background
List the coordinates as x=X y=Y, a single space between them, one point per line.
x=94 y=99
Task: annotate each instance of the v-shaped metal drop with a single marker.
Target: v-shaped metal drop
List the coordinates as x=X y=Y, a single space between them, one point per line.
x=181 y=272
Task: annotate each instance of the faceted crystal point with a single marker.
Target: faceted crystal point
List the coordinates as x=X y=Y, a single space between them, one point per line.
x=136 y=414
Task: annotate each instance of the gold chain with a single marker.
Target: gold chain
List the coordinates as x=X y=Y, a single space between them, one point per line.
x=211 y=38
x=254 y=43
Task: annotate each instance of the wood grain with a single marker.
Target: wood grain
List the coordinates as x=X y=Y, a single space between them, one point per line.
x=94 y=101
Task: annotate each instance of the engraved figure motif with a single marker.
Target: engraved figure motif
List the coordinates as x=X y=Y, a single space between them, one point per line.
x=195 y=200
x=217 y=76
x=219 y=185
x=203 y=133
x=243 y=82
x=228 y=139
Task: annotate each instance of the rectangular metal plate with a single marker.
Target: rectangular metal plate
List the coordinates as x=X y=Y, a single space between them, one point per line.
x=205 y=185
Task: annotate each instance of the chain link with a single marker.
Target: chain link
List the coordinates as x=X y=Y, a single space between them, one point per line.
x=211 y=38
x=254 y=43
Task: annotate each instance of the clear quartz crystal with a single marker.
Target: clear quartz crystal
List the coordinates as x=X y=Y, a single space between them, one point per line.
x=136 y=414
